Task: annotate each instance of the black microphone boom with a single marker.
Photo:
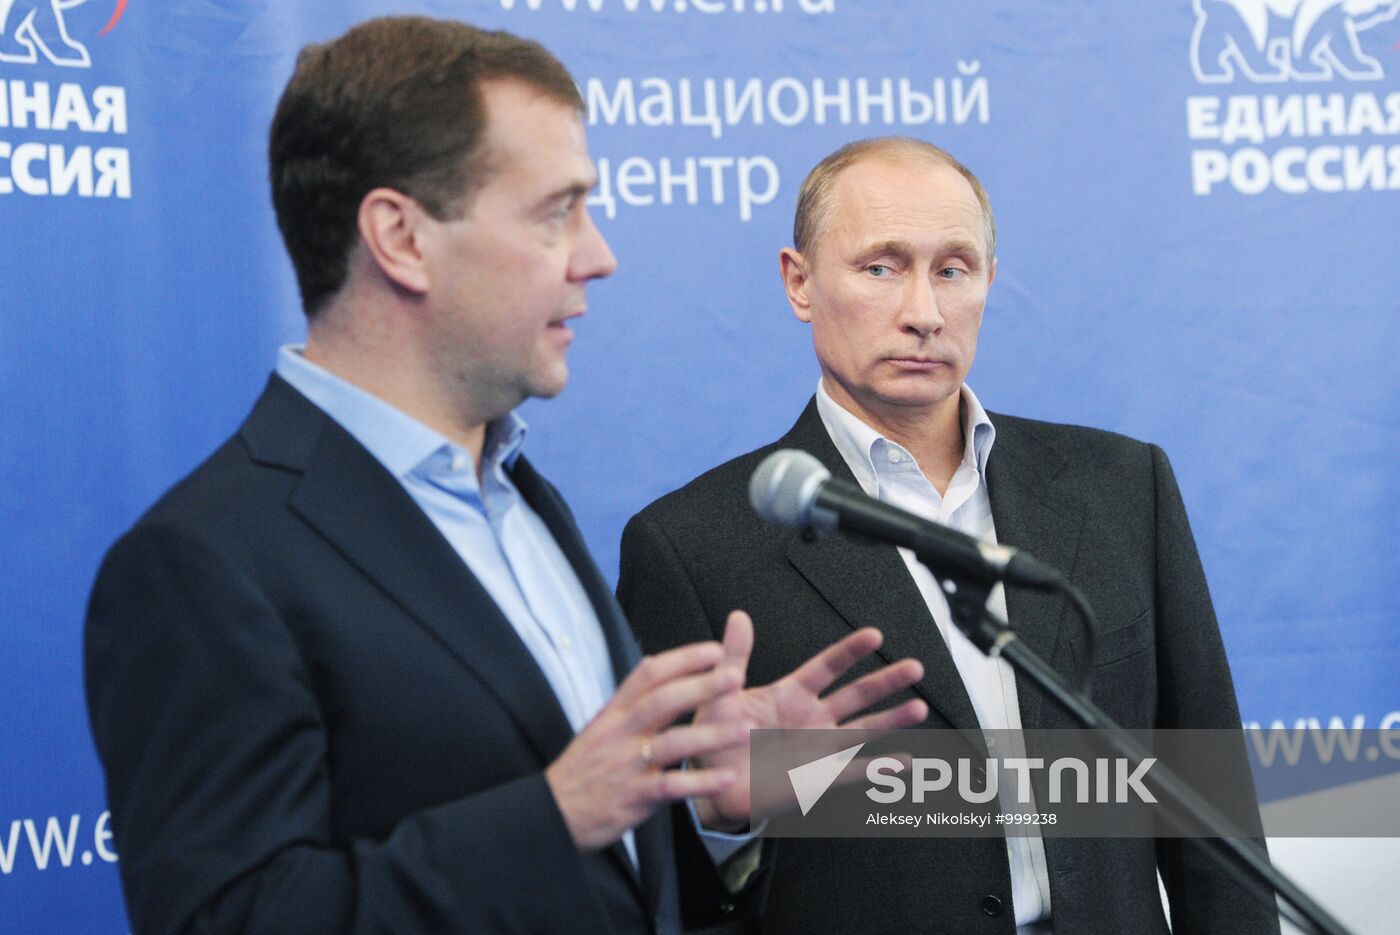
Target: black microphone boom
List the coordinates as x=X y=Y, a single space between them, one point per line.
x=792 y=489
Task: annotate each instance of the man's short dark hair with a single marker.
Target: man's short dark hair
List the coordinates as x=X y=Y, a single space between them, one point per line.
x=396 y=102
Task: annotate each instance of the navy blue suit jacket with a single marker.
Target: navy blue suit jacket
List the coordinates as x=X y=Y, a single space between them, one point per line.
x=313 y=718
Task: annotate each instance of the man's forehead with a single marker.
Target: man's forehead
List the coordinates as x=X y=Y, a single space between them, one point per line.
x=530 y=133
x=879 y=200
x=894 y=182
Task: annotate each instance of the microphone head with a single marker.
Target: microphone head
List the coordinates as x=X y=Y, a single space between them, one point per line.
x=784 y=487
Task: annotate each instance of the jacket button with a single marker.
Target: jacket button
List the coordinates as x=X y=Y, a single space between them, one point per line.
x=991 y=906
x=726 y=907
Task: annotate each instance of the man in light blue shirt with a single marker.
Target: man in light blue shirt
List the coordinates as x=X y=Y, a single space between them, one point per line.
x=358 y=672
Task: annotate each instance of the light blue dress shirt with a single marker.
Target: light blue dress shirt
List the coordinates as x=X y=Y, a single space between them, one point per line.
x=502 y=540
x=496 y=533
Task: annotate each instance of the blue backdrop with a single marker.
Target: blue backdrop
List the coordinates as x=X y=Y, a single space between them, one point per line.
x=1199 y=211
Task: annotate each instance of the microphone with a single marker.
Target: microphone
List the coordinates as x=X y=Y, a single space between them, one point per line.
x=792 y=489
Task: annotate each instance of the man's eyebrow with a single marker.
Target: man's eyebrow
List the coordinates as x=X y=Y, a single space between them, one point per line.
x=573 y=190
x=960 y=246
x=966 y=249
x=884 y=248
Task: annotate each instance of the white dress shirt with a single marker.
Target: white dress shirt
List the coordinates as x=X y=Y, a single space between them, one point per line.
x=888 y=472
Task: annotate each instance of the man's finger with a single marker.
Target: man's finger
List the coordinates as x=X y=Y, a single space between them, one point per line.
x=817 y=673
x=871 y=689
x=665 y=667
x=672 y=784
x=666 y=702
x=912 y=712
x=738 y=641
x=695 y=740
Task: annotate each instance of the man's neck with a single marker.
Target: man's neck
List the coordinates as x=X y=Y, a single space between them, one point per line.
x=374 y=366
x=934 y=435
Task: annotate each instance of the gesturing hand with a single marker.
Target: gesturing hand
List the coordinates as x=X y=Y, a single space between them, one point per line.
x=614 y=774
x=795 y=701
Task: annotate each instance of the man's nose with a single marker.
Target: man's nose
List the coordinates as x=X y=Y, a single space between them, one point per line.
x=593 y=258
x=918 y=312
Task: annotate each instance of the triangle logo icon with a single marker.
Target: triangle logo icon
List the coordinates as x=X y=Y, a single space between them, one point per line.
x=811 y=780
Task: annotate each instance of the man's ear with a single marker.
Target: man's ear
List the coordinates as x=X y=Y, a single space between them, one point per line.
x=992 y=271
x=796 y=279
x=392 y=228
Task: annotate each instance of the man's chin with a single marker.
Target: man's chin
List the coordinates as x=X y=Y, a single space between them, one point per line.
x=552 y=386
x=919 y=397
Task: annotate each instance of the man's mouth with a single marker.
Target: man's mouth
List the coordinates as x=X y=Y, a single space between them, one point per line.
x=917 y=364
x=563 y=320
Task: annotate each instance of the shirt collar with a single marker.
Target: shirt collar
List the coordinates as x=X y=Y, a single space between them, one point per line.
x=857 y=442
x=397 y=440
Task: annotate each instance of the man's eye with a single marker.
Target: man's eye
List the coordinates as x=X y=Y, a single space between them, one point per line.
x=878 y=270
x=950 y=272
x=561 y=211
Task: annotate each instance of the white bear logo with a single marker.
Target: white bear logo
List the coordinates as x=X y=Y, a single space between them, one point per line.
x=1321 y=42
x=29 y=27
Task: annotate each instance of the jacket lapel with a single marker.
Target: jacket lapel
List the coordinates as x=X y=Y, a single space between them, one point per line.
x=653 y=837
x=868 y=584
x=623 y=649
x=1032 y=511
x=356 y=505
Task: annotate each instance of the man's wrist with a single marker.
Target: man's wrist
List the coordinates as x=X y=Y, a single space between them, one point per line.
x=711 y=819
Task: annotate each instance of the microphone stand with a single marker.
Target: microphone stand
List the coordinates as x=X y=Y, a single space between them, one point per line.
x=1245 y=860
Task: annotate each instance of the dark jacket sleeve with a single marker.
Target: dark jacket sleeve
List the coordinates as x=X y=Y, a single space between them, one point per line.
x=1198 y=693
x=655 y=592
x=214 y=741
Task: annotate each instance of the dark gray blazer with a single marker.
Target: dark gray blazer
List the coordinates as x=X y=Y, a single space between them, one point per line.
x=1104 y=509
x=313 y=717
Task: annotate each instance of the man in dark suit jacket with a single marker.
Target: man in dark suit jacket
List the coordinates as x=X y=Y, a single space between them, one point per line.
x=894 y=255
x=358 y=672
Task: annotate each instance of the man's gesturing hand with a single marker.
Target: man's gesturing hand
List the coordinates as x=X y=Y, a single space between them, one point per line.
x=795 y=701
x=615 y=773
